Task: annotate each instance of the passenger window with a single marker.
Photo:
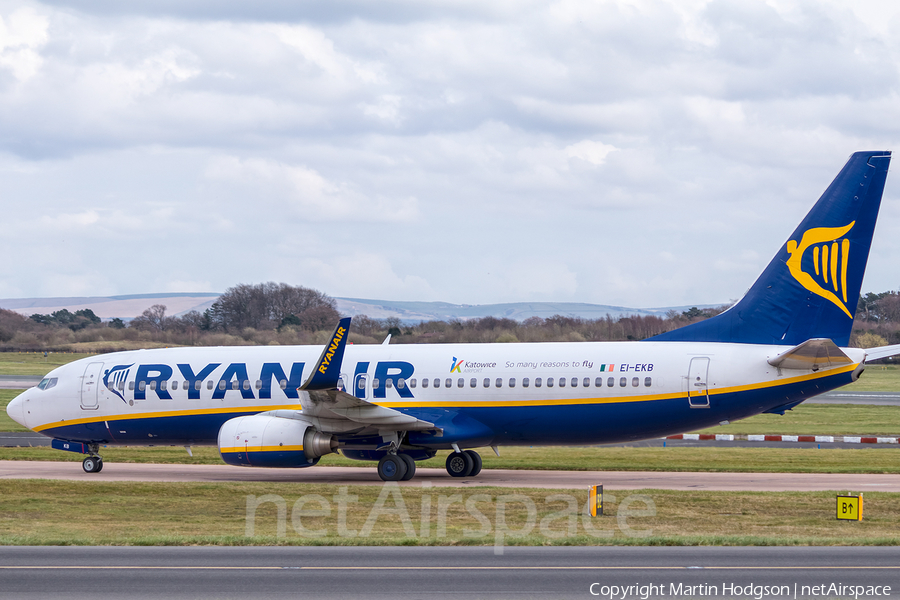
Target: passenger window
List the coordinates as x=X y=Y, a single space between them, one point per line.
x=611 y=382
x=437 y=383
x=174 y=385
x=162 y=385
x=623 y=381
x=487 y=382
x=258 y=384
x=197 y=385
x=283 y=384
x=388 y=383
x=448 y=383
x=460 y=383
x=221 y=385
x=209 y=384
x=598 y=382
x=586 y=382
x=636 y=381
x=246 y=384
x=424 y=383
x=537 y=382
x=549 y=382
x=375 y=384
x=562 y=382
x=130 y=386
x=473 y=382
x=401 y=383
x=498 y=382
x=524 y=382
x=235 y=384
x=121 y=386
x=647 y=381
x=142 y=386
x=412 y=382
x=153 y=385
x=575 y=382
x=512 y=382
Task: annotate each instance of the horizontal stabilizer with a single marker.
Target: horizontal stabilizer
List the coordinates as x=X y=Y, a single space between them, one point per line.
x=812 y=355
x=882 y=352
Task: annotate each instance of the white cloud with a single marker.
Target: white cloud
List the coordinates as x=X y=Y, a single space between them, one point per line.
x=464 y=152
x=22 y=33
x=590 y=151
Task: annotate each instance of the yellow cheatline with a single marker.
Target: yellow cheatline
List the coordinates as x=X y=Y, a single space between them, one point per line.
x=168 y=413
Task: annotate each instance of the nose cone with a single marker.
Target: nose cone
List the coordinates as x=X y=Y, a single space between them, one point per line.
x=16 y=410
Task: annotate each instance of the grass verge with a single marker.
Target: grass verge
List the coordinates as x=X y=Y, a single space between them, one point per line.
x=714 y=459
x=62 y=512
x=7 y=424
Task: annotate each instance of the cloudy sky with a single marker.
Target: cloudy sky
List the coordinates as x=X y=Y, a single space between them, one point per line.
x=628 y=152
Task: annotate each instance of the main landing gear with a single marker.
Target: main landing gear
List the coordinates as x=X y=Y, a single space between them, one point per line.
x=396 y=467
x=466 y=463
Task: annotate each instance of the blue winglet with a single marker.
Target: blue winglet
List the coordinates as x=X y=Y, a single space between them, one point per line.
x=328 y=368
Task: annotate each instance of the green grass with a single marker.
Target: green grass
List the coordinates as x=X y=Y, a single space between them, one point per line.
x=876 y=378
x=821 y=419
x=7 y=424
x=97 y=513
x=721 y=459
x=35 y=363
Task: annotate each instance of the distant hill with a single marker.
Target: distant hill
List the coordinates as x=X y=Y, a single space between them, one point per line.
x=130 y=306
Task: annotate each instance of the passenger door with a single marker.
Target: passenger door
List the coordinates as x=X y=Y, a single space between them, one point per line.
x=697 y=382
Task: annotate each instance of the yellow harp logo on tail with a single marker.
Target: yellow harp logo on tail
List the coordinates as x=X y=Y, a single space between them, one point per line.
x=830 y=256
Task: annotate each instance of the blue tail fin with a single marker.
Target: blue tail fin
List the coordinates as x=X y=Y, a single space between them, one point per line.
x=811 y=287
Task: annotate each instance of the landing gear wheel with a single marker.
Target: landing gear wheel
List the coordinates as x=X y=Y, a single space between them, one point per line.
x=459 y=464
x=476 y=462
x=92 y=464
x=391 y=468
x=410 y=467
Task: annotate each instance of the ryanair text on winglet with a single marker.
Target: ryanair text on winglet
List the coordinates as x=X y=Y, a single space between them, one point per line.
x=326 y=360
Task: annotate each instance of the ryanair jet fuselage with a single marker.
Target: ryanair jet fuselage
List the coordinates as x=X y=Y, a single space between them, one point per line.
x=784 y=342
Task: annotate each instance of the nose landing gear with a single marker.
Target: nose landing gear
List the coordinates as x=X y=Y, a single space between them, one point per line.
x=92 y=464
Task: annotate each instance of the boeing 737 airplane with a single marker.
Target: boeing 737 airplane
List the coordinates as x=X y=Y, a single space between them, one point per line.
x=782 y=343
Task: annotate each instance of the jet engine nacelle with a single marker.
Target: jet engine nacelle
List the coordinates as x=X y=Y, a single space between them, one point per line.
x=267 y=441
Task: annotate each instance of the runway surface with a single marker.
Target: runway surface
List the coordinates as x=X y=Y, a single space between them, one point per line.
x=611 y=480
x=438 y=572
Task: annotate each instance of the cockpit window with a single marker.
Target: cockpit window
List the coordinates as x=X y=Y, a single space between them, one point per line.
x=47 y=383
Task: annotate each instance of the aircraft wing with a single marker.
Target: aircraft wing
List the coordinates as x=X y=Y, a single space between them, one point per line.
x=815 y=354
x=339 y=405
x=882 y=352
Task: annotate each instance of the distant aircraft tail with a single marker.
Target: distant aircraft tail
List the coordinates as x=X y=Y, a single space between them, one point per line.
x=811 y=287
